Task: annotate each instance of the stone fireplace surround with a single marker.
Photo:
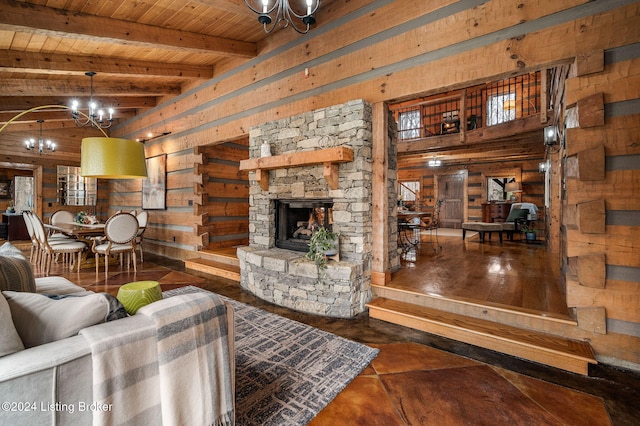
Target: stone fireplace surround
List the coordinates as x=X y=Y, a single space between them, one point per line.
x=285 y=277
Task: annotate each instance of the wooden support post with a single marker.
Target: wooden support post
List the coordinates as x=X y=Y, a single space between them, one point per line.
x=544 y=95
x=380 y=202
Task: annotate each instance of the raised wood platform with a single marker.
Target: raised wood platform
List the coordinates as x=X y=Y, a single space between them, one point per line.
x=220 y=263
x=566 y=354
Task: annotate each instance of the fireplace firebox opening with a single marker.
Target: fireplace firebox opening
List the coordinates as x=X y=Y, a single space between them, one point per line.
x=297 y=220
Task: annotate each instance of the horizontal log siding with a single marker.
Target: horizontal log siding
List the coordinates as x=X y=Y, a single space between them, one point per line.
x=226 y=188
x=620 y=190
x=380 y=52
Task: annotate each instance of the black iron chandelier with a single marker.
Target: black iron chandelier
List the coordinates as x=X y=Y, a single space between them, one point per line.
x=280 y=13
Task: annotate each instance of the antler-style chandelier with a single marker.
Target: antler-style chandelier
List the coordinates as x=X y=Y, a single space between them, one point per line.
x=43 y=147
x=280 y=13
x=96 y=117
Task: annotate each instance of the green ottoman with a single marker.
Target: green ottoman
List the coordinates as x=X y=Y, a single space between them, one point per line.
x=137 y=294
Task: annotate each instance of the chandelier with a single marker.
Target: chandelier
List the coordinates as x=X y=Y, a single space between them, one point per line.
x=434 y=162
x=43 y=147
x=96 y=117
x=281 y=14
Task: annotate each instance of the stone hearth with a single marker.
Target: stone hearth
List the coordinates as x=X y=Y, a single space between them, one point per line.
x=283 y=276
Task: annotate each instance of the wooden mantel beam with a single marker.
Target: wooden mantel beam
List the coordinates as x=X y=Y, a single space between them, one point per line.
x=328 y=157
x=20 y=16
x=49 y=63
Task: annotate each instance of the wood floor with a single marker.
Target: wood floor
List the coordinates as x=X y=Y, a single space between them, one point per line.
x=419 y=378
x=513 y=274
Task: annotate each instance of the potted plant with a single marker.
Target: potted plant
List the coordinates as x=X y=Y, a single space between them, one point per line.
x=529 y=232
x=323 y=243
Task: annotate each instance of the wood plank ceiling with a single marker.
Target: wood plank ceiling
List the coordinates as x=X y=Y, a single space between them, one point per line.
x=143 y=52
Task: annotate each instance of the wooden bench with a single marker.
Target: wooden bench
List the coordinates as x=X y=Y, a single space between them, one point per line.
x=482 y=227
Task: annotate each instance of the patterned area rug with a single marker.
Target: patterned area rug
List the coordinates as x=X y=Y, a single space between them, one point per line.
x=286 y=371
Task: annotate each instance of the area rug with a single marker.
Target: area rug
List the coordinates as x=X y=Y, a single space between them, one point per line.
x=286 y=371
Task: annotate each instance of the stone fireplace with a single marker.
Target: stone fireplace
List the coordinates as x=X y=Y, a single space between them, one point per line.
x=273 y=266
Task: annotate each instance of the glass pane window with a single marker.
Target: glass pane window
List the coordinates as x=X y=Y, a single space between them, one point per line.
x=501 y=108
x=24 y=193
x=409 y=124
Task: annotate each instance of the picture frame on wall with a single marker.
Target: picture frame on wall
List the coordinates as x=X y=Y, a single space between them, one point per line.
x=5 y=189
x=154 y=186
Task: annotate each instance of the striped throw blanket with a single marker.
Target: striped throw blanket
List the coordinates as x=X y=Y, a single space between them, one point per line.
x=173 y=370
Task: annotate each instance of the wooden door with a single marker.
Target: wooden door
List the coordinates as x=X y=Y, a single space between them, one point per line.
x=451 y=192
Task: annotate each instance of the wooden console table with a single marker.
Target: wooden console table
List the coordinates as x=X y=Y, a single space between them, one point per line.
x=17 y=229
x=495 y=212
x=329 y=157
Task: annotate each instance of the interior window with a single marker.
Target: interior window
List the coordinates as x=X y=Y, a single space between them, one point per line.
x=501 y=108
x=497 y=188
x=409 y=124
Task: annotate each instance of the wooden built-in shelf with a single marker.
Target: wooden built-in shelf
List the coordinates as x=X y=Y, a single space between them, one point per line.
x=330 y=157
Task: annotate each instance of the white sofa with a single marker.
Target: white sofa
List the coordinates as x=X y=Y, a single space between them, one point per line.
x=53 y=383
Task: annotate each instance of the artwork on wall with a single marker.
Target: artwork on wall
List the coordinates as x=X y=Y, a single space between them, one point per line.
x=154 y=189
x=5 y=189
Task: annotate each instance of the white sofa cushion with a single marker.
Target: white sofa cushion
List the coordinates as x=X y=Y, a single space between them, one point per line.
x=16 y=273
x=39 y=319
x=9 y=339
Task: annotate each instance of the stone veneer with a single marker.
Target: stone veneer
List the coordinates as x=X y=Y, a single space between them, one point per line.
x=285 y=277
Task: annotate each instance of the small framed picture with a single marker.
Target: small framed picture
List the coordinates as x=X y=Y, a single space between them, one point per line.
x=5 y=188
x=154 y=187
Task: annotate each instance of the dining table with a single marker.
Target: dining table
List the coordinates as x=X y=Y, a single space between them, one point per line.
x=82 y=232
x=409 y=225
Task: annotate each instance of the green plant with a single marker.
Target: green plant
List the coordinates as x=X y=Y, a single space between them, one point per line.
x=321 y=241
x=527 y=229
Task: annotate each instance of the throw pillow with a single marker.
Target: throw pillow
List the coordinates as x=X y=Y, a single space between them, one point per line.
x=116 y=310
x=41 y=320
x=16 y=273
x=9 y=339
x=516 y=214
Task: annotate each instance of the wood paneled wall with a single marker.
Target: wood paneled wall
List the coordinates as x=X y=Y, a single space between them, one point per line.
x=477 y=174
x=388 y=50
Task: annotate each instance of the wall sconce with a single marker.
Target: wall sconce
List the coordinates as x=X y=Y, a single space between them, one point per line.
x=550 y=135
x=544 y=167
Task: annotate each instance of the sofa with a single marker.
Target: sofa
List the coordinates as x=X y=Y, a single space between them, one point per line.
x=76 y=359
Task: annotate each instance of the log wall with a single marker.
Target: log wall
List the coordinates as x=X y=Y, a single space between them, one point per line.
x=601 y=222
x=389 y=50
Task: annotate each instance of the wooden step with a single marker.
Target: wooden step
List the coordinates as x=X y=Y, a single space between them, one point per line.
x=224 y=255
x=570 y=355
x=212 y=267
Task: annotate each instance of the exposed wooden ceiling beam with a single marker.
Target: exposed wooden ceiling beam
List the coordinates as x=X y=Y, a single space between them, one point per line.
x=80 y=87
x=18 y=104
x=19 y=16
x=50 y=116
x=49 y=63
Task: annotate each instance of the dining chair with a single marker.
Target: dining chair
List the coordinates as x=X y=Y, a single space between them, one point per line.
x=50 y=249
x=35 y=246
x=120 y=232
x=431 y=225
x=143 y=218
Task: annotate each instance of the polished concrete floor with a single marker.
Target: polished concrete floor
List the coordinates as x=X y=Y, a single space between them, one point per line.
x=421 y=379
